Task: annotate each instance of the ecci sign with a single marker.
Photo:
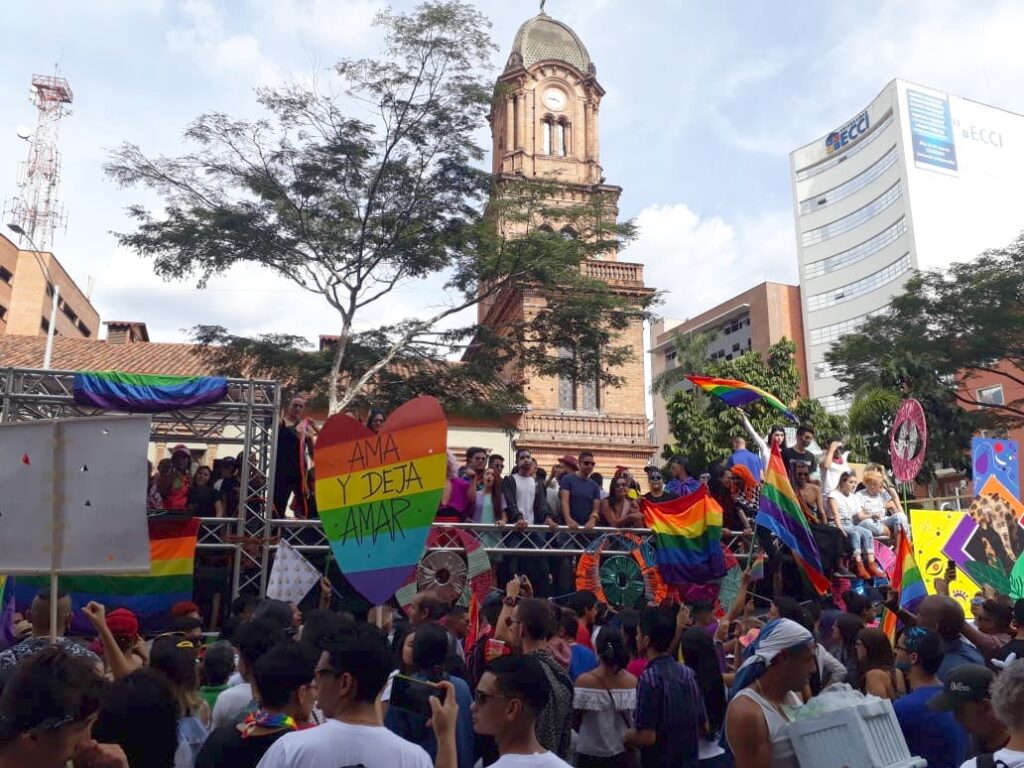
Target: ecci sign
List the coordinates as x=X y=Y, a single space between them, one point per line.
x=853 y=130
x=984 y=135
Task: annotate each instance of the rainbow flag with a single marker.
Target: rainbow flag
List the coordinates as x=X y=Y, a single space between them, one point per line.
x=888 y=625
x=687 y=537
x=150 y=596
x=780 y=512
x=736 y=393
x=757 y=567
x=146 y=393
x=906 y=576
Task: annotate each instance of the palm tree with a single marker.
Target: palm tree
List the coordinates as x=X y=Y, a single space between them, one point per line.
x=691 y=357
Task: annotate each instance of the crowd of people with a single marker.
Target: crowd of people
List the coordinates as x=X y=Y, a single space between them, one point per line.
x=542 y=684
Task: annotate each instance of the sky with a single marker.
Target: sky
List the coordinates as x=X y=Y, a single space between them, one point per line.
x=704 y=103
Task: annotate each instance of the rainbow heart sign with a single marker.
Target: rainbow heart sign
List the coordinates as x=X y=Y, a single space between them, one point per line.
x=378 y=493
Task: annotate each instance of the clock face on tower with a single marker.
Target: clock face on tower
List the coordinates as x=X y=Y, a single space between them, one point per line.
x=554 y=99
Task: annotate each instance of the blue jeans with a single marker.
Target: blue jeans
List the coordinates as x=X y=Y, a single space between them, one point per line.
x=860 y=539
x=898 y=520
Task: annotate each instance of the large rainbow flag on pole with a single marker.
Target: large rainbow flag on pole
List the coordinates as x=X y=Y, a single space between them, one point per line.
x=687 y=537
x=780 y=512
x=736 y=393
x=150 y=596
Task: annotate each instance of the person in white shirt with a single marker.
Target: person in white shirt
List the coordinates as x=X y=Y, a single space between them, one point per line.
x=350 y=676
x=252 y=639
x=845 y=506
x=509 y=697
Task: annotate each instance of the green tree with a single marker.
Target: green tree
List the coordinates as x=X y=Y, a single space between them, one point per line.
x=947 y=328
x=353 y=190
x=703 y=425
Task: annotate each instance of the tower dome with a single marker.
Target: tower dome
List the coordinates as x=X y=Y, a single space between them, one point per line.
x=545 y=39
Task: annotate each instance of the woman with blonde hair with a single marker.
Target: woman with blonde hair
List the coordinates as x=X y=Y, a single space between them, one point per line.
x=878 y=511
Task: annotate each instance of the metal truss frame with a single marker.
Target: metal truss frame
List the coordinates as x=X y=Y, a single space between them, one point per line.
x=562 y=541
x=246 y=417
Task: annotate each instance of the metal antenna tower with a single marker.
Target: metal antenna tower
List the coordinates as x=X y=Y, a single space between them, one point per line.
x=35 y=212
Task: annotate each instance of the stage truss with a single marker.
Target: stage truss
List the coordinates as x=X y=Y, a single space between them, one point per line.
x=247 y=419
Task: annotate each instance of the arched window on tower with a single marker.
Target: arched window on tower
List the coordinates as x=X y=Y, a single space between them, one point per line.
x=568 y=233
x=562 y=139
x=546 y=129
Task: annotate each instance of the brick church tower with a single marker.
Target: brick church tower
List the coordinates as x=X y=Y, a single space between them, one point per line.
x=544 y=124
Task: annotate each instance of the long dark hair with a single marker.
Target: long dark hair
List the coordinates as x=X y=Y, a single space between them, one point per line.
x=849 y=625
x=140 y=713
x=699 y=655
x=878 y=653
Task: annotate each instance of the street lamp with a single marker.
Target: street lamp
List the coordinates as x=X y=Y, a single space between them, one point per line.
x=19 y=230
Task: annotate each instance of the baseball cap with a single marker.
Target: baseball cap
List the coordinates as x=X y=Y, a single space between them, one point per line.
x=964 y=684
x=569 y=461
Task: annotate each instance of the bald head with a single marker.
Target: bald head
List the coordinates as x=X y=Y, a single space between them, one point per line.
x=942 y=614
x=40 y=613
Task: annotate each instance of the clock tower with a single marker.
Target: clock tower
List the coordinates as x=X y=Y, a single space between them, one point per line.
x=544 y=124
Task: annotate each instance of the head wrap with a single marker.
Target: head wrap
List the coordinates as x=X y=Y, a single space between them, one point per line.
x=776 y=636
x=123 y=623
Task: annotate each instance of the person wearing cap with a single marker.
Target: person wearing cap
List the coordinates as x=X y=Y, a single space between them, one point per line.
x=1007 y=696
x=658 y=493
x=930 y=734
x=565 y=465
x=683 y=482
x=966 y=692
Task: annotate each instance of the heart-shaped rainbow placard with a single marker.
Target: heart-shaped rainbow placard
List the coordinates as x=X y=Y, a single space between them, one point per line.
x=378 y=494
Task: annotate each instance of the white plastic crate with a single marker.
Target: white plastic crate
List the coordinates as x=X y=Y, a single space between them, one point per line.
x=866 y=735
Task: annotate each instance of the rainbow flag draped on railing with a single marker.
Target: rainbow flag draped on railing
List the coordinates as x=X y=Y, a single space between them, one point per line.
x=780 y=512
x=150 y=596
x=146 y=393
x=687 y=537
x=906 y=580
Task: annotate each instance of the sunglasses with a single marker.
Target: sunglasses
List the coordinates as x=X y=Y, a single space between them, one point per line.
x=654 y=478
x=481 y=698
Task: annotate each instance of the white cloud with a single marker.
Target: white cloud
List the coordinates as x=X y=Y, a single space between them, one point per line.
x=322 y=22
x=203 y=38
x=701 y=261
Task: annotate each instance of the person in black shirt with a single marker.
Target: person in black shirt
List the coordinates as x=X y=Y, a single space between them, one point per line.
x=294 y=446
x=203 y=499
x=658 y=493
x=800 y=451
x=284 y=679
x=1016 y=645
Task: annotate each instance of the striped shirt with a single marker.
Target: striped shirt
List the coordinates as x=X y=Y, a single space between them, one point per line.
x=669 y=703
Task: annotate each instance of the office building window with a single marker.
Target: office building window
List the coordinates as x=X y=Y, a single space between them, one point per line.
x=835 y=160
x=858 y=252
x=870 y=283
x=855 y=219
x=847 y=188
x=6 y=275
x=670 y=360
x=823 y=371
x=829 y=333
x=991 y=395
x=835 y=404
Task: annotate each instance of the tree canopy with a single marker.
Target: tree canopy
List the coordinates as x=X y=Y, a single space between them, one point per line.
x=372 y=182
x=703 y=425
x=945 y=330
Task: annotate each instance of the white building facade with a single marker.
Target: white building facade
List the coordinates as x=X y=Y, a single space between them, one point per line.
x=918 y=179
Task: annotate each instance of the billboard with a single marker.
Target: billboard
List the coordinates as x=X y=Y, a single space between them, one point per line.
x=931 y=131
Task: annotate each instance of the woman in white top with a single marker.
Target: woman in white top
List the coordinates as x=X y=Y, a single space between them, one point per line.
x=778 y=664
x=776 y=435
x=833 y=465
x=878 y=511
x=603 y=705
x=844 y=506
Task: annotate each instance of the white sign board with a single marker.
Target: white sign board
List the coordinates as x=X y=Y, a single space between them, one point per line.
x=73 y=496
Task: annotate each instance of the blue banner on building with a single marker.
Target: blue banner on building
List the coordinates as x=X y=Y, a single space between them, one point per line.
x=931 y=130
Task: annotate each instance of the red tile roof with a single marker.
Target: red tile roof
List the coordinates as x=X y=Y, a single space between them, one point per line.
x=92 y=355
